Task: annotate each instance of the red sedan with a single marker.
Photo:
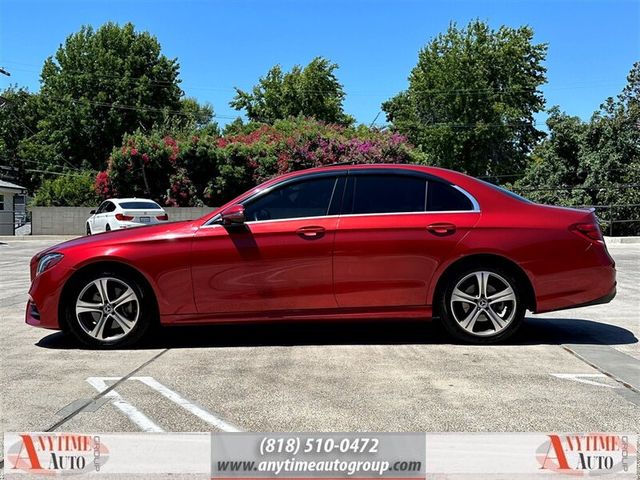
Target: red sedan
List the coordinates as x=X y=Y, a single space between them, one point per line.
x=334 y=243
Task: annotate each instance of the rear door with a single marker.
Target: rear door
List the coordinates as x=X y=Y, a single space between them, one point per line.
x=280 y=260
x=397 y=227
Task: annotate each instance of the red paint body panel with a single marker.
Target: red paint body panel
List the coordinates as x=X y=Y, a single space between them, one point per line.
x=348 y=267
x=389 y=260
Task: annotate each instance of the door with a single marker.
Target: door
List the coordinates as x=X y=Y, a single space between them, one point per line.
x=99 y=219
x=280 y=259
x=395 y=231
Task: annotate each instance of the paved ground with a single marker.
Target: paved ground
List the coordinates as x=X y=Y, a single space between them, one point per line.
x=336 y=377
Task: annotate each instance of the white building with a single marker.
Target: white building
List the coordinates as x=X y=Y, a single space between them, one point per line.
x=12 y=206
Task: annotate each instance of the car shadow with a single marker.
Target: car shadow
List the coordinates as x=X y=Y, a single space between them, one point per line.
x=535 y=331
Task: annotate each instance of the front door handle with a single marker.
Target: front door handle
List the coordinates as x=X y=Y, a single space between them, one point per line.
x=442 y=228
x=311 y=232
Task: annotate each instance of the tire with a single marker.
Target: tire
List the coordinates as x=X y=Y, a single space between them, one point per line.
x=122 y=320
x=88 y=229
x=107 y=228
x=482 y=317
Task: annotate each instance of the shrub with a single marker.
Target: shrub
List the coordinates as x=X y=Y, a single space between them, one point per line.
x=209 y=169
x=73 y=189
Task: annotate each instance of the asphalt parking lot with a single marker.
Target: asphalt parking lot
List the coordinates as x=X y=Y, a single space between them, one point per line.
x=576 y=370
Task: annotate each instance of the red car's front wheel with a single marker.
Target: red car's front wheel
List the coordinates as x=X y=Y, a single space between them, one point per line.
x=107 y=309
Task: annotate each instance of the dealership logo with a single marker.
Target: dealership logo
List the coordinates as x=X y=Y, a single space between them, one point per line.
x=57 y=454
x=587 y=454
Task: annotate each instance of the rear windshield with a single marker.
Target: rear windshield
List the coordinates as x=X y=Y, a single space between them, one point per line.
x=140 y=206
x=507 y=192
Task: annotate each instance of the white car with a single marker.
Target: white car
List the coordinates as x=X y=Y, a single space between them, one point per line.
x=117 y=213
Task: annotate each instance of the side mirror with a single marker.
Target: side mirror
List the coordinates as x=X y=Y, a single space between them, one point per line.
x=234 y=215
x=92 y=212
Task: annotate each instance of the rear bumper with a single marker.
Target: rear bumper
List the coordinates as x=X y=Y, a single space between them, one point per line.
x=589 y=286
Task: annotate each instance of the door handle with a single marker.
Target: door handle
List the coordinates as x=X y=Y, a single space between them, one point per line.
x=311 y=232
x=442 y=228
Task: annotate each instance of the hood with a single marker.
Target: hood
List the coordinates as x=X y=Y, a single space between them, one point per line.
x=185 y=227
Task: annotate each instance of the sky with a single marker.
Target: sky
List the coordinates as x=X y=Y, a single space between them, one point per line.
x=224 y=44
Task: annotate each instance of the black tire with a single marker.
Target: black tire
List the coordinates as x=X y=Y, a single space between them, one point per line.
x=88 y=229
x=108 y=228
x=453 y=321
x=78 y=325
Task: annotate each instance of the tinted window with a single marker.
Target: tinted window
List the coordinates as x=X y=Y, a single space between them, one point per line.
x=507 y=192
x=102 y=207
x=310 y=198
x=443 y=197
x=140 y=205
x=388 y=194
x=109 y=207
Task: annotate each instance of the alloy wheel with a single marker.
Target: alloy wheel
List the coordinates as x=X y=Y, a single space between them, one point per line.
x=107 y=309
x=483 y=303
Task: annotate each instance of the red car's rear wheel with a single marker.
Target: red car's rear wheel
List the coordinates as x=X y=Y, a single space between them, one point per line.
x=482 y=305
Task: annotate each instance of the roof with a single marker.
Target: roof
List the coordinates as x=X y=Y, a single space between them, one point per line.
x=131 y=199
x=10 y=186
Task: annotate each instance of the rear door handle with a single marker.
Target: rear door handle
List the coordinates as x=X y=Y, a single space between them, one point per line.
x=442 y=228
x=311 y=232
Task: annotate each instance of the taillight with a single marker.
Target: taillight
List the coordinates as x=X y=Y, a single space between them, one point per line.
x=162 y=217
x=589 y=230
x=123 y=218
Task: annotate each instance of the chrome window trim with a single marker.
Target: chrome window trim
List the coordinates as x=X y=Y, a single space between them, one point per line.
x=474 y=202
x=209 y=225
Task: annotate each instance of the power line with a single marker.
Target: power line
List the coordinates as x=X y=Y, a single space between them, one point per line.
x=469 y=91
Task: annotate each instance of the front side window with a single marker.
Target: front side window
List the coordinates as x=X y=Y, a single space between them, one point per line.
x=445 y=198
x=101 y=208
x=387 y=194
x=307 y=198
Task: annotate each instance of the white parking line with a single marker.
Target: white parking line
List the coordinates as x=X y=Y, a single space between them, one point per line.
x=144 y=422
x=199 y=412
x=135 y=415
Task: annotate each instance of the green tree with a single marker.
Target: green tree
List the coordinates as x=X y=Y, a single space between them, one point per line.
x=472 y=97
x=555 y=173
x=595 y=163
x=18 y=122
x=312 y=91
x=100 y=85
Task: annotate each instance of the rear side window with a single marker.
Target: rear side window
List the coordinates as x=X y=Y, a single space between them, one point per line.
x=387 y=194
x=140 y=206
x=309 y=198
x=443 y=197
x=109 y=207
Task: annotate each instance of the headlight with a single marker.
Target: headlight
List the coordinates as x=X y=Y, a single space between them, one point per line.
x=47 y=261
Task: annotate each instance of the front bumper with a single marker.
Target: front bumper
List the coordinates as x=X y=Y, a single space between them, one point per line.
x=44 y=298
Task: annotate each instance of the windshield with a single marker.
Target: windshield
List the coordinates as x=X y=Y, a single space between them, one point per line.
x=507 y=192
x=140 y=206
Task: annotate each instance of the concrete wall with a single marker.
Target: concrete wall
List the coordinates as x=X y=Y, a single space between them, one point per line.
x=73 y=220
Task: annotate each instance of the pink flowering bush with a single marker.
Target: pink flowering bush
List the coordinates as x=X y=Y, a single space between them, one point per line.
x=211 y=170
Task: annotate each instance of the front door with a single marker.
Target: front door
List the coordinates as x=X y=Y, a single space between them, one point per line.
x=280 y=260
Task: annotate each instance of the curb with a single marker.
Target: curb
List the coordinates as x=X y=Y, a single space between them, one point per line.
x=621 y=240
